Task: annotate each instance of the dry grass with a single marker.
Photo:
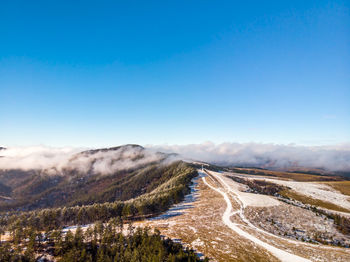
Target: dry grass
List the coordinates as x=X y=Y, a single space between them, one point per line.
x=301 y=177
x=341 y=186
x=284 y=219
x=201 y=227
x=312 y=201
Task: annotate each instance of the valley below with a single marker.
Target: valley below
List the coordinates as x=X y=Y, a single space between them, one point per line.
x=194 y=211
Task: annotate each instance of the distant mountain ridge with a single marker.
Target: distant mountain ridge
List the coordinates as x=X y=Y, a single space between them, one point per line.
x=90 y=176
x=93 y=151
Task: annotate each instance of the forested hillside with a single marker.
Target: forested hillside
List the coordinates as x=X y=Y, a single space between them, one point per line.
x=142 y=184
x=112 y=186
x=102 y=242
x=94 y=176
x=169 y=188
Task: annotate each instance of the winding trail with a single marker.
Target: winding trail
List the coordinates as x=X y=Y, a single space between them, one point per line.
x=249 y=224
x=244 y=219
x=279 y=253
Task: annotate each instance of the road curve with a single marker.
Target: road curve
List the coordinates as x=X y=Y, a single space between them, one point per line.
x=279 y=253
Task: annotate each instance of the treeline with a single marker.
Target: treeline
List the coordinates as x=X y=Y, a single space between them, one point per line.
x=253 y=171
x=259 y=186
x=169 y=192
x=101 y=242
x=30 y=190
x=342 y=223
x=125 y=185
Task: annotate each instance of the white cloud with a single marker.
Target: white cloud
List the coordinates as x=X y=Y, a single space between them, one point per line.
x=333 y=158
x=59 y=160
x=35 y=157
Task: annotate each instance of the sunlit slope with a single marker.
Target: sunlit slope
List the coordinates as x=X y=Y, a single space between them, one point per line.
x=103 y=175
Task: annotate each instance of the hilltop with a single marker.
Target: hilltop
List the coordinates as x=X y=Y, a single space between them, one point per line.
x=93 y=176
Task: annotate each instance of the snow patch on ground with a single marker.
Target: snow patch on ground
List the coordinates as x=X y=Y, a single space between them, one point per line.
x=250 y=199
x=181 y=207
x=317 y=191
x=197 y=243
x=279 y=253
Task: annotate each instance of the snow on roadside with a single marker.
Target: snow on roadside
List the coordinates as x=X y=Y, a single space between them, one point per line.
x=279 y=253
x=181 y=207
x=250 y=199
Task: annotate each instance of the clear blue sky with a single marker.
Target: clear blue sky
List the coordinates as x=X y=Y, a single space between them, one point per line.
x=103 y=73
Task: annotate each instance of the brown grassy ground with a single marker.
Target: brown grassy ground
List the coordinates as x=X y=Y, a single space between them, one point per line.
x=201 y=227
x=341 y=186
x=312 y=201
x=301 y=177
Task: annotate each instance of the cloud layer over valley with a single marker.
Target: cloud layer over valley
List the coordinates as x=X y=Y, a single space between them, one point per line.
x=63 y=160
x=332 y=158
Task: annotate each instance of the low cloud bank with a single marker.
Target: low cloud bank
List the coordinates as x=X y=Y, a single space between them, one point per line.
x=36 y=157
x=331 y=158
x=62 y=160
